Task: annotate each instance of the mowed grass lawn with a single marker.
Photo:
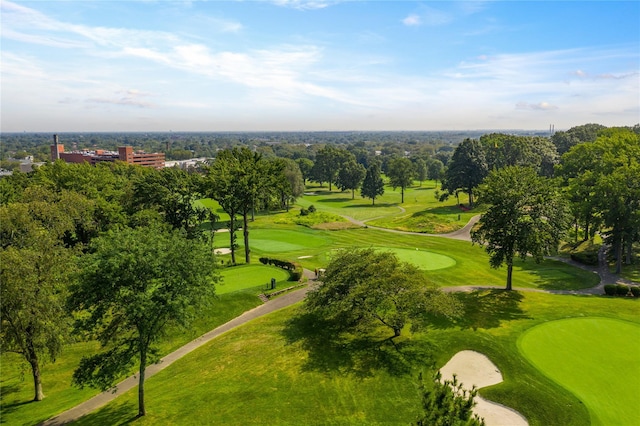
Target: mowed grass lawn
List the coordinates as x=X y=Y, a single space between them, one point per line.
x=448 y=263
x=277 y=370
x=246 y=277
x=420 y=212
x=595 y=358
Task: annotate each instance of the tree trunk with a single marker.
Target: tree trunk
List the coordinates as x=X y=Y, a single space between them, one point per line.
x=245 y=233
x=470 y=198
x=353 y=194
x=629 y=249
x=143 y=365
x=402 y=194
x=618 y=249
x=509 y=276
x=35 y=369
x=232 y=231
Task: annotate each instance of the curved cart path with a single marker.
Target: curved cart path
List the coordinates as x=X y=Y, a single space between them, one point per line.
x=130 y=382
x=288 y=299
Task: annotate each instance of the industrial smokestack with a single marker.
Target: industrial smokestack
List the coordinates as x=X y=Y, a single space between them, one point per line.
x=55 y=148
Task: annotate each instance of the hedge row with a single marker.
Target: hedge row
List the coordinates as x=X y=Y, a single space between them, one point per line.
x=294 y=268
x=621 y=290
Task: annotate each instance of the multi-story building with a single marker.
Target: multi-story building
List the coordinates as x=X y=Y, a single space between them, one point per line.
x=125 y=154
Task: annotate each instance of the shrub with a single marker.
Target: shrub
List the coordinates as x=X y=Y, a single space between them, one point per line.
x=312 y=208
x=635 y=291
x=304 y=212
x=610 y=289
x=622 y=289
x=585 y=257
x=294 y=268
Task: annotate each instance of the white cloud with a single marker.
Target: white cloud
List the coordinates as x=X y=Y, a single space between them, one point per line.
x=412 y=20
x=541 y=106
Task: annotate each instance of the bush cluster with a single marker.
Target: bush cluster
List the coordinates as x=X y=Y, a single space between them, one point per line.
x=586 y=257
x=621 y=290
x=305 y=212
x=294 y=268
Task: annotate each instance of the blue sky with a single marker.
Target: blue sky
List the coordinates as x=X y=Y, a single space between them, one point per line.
x=317 y=65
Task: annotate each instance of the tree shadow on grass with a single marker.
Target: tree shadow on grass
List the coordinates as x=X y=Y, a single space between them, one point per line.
x=331 y=349
x=485 y=309
x=555 y=276
x=113 y=414
x=335 y=199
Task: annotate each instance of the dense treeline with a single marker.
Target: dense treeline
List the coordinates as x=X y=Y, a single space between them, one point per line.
x=184 y=145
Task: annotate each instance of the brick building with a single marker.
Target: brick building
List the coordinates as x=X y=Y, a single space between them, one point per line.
x=125 y=154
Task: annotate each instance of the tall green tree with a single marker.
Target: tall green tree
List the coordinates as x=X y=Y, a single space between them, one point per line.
x=466 y=169
x=617 y=189
x=135 y=283
x=565 y=140
x=219 y=184
x=362 y=288
x=526 y=217
x=36 y=267
x=372 y=185
x=400 y=172
x=305 y=165
x=329 y=159
x=435 y=170
x=172 y=192
x=350 y=176
x=420 y=170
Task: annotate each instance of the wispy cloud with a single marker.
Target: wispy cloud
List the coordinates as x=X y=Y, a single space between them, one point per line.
x=412 y=20
x=541 y=106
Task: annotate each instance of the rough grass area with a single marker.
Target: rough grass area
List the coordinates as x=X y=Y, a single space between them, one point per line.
x=285 y=370
x=16 y=385
x=315 y=220
x=578 y=354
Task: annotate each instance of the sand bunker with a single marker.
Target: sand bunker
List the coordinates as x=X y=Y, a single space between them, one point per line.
x=473 y=368
x=222 y=251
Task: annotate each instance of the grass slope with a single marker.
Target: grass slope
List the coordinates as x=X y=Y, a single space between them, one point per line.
x=281 y=371
x=247 y=277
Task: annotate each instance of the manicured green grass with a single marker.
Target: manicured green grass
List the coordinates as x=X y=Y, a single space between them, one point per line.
x=212 y=205
x=285 y=240
x=425 y=260
x=279 y=370
x=249 y=277
x=16 y=386
x=596 y=359
x=420 y=212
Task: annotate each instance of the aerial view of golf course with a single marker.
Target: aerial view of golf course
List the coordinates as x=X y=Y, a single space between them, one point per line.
x=558 y=347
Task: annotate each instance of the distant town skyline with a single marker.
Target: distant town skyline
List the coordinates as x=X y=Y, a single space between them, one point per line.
x=317 y=65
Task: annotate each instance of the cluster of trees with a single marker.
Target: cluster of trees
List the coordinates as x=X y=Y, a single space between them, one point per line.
x=534 y=194
x=116 y=253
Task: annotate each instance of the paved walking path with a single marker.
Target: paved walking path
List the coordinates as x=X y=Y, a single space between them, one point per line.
x=132 y=381
x=288 y=299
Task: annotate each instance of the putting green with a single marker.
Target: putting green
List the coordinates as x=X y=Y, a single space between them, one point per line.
x=596 y=359
x=249 y=276
x=423 y=259
x=282 y=240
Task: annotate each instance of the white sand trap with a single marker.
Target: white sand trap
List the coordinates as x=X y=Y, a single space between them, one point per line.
x=304 y=257
x=473 y=368
x=222 y=251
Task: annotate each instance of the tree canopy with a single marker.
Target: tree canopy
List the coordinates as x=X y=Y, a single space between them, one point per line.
x=466 y=169
x=133 y=284
x=400 y=172
x=372 y=185
x=526 y=216
x=365 y=287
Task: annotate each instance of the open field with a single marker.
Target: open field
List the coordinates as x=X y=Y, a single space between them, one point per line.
x=275 y=371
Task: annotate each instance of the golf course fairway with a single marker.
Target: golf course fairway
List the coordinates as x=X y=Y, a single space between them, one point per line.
x=595 y=358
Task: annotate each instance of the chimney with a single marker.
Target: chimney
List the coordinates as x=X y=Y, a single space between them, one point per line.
x=55 y=149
